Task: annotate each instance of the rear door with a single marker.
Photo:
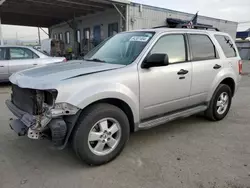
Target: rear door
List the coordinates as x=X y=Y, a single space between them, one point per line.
x=231 y=58
x=206 y=64
x=21 y=58
x=4 y=67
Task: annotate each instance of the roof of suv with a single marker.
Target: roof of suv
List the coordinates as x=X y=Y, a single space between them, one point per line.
x=164 y=29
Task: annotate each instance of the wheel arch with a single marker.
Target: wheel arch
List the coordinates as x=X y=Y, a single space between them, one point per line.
x=120 y=104
x=230 y=82
x=224 y=77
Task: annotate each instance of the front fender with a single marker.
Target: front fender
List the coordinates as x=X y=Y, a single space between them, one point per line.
x=222 y=75
x=91 y=94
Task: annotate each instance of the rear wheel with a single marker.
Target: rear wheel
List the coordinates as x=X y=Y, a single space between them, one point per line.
x=220 y=103
x=101 y=134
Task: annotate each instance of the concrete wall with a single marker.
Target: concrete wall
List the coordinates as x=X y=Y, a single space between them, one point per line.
x=103 y=19
x=148 y=17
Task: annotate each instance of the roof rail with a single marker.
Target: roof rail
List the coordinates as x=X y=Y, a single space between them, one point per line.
x=200 y=26
x=187 y=26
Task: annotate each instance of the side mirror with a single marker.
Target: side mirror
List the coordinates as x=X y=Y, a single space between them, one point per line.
x=155 y=60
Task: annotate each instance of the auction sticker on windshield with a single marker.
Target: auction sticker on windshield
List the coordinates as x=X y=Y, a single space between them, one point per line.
x=139 y=39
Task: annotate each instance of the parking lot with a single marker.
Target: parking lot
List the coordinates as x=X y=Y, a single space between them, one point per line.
x=186 y=153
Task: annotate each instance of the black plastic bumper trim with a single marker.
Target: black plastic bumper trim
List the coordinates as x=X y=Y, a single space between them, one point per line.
x=16 y=111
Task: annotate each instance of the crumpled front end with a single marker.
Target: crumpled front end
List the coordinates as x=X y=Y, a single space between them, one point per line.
x=38 y=114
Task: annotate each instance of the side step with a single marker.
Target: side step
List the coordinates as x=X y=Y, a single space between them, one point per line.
x=170 y=117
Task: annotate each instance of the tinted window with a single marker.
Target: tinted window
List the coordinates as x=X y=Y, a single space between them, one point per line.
x=173 y=46
x=22 y=53
x=202 y=47
x=3 y=53
x=226 y=45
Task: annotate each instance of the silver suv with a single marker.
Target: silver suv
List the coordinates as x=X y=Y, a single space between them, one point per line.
x=133 y=81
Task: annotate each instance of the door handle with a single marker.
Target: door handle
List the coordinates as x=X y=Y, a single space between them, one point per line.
x=1 y=66
x=217 y=66
x=182 y=72
x=35 y=64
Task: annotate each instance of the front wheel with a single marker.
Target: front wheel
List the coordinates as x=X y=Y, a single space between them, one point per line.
x=101 y=134
x=220 y=103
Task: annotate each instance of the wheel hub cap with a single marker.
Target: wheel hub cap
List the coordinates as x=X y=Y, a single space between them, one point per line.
x=222 y=103
x=104 y=136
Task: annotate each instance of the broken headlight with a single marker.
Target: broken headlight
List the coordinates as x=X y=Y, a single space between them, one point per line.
x=62 y=109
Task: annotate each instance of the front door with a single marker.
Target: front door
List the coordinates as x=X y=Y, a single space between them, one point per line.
x=4 y=66
x=166 y=89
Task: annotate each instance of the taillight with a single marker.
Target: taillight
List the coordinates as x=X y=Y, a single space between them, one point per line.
x=65 y=60
x=240 y=67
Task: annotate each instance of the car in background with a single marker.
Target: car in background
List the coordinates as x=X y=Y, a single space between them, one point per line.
x=17 y=58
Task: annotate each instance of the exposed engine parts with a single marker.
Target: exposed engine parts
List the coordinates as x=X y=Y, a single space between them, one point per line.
x=38 y=114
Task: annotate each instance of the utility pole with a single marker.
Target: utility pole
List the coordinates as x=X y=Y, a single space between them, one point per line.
x=39 y=36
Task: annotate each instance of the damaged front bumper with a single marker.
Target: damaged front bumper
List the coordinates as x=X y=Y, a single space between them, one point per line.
x=48 y=124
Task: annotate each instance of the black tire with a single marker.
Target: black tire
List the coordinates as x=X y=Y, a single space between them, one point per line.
x=211 y=112
x=84 y=125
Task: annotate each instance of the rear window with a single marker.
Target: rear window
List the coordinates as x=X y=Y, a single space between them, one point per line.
x=202 y=47
x=226 y=45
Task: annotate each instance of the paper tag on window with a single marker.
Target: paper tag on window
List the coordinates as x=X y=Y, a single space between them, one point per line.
x=139 y=39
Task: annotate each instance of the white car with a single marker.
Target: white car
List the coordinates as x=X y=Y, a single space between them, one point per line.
x=16 y=58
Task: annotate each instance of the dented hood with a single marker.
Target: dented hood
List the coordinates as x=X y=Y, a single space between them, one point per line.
x=48 y=76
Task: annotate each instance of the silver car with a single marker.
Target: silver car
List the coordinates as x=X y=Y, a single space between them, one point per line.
x=135 y=80
x=17 y=58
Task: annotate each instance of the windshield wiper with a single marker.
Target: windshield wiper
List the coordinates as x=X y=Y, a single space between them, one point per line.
x=95 y=60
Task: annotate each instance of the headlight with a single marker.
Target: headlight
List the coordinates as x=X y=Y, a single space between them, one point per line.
x=62 y=109
x=50 y=97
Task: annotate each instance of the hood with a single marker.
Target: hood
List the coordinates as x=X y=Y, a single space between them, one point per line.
x=48 y=76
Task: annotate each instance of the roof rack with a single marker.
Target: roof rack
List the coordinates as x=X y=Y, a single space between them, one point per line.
x=187 y=26
x=206 y=27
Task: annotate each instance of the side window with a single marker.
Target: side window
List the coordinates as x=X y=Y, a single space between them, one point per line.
x=3 y=54
x=61 y=36
x=67 y=37
x=226 y=45
x=202 y=47
x=173 y=46
x=22 y=53
x=78 y=36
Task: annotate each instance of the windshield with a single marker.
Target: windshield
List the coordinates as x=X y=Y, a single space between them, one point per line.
x=122 y=48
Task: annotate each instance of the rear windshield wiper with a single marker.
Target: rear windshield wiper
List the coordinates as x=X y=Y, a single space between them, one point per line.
x=95 y=60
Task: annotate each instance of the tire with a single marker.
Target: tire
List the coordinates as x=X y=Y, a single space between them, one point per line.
x=212 y=112
x=88 y=125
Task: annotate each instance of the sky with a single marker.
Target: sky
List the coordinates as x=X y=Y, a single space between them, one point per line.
x=233 y=10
